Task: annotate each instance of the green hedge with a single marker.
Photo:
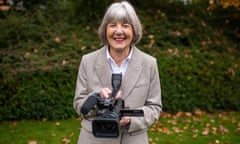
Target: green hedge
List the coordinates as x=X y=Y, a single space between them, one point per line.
x=187 y=84
x=40 y=51
x=199 y=83
x=38 y=94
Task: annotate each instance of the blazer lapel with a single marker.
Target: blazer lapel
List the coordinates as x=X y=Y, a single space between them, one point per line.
x=103 y=69
x=132 y=74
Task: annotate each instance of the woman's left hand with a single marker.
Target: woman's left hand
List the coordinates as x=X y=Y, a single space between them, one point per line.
x=125 y=121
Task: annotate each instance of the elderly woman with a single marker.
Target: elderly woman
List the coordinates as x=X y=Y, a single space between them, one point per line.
x=119 y=31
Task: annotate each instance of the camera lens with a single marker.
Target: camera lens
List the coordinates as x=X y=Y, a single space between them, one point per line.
x=108 y=126
x=105 y=127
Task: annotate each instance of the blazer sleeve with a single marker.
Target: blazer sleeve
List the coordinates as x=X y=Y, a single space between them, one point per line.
x=82 y=91
x=153 y=103
x=81 y=87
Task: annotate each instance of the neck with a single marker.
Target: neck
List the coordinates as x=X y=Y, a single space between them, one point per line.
x=120 y=55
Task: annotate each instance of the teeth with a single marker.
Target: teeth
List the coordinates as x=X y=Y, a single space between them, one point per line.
x=119 y=38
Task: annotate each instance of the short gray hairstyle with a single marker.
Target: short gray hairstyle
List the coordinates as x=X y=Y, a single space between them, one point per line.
x=121 y=11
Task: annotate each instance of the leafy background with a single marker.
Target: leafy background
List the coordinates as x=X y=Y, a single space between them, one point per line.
x=196 y=45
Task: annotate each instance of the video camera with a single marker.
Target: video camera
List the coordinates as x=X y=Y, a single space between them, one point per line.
x=110 y=110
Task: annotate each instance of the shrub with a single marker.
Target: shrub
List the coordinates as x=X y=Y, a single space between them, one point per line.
x=198 y=82
x=40 y=52
x=39 y=94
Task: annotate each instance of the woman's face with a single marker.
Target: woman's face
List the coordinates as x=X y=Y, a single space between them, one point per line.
x=119 y=35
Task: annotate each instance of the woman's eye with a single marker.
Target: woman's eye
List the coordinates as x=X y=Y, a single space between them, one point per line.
x=112 y=25
x=126 y=25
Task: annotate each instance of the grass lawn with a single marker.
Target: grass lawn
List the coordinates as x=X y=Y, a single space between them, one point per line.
x=185 y=128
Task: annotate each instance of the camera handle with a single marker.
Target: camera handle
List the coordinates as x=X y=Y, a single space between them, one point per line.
x=116 y=84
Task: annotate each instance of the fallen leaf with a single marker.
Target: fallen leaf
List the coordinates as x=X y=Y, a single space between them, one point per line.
x=83 y=47
x=195 y=136
x=187 y=31
x=217 y=141
x=66 y=140
x=57 y=40
x=53 y=134
x=57 y=123
x=176 y=33
x=231 y=71
x=205 y=131
x=72 y=134
x=27 y=54
x=198 y=112
x=223 y=129
x=87 y=27
x=32 y=142
x=203 y=43
x=64 y=62
x=151 y=36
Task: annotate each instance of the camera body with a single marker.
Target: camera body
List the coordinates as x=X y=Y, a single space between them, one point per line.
x=109 y=111
x=106 y=123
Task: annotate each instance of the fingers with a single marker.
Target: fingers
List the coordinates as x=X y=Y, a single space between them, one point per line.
x=125 y=121
x=105 y=92
x=119 y=95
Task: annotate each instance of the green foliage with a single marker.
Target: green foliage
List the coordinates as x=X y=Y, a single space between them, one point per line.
x=39 y=94
x=32 y=4
x=40 y=51
x=197 y=82
x=90 y=11
x=198 y=62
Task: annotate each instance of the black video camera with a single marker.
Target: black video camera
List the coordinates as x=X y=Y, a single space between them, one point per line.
x=106 y=124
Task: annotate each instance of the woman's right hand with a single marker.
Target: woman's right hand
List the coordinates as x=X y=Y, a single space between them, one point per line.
x=106 y=93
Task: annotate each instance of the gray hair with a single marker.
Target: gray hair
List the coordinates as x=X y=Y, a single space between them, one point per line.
x=121 y=11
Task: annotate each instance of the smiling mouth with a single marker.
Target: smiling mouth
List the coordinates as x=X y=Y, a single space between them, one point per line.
x=119 y=39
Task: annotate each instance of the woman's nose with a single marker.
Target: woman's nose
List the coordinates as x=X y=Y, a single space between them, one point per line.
x=119 y=29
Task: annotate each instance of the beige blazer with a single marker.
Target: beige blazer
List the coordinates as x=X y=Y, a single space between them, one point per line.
x=140 y=87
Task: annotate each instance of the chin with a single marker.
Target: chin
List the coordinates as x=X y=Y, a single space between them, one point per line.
x=119 y=48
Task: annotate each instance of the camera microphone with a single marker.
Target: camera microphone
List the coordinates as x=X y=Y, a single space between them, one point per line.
x=89 y=104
